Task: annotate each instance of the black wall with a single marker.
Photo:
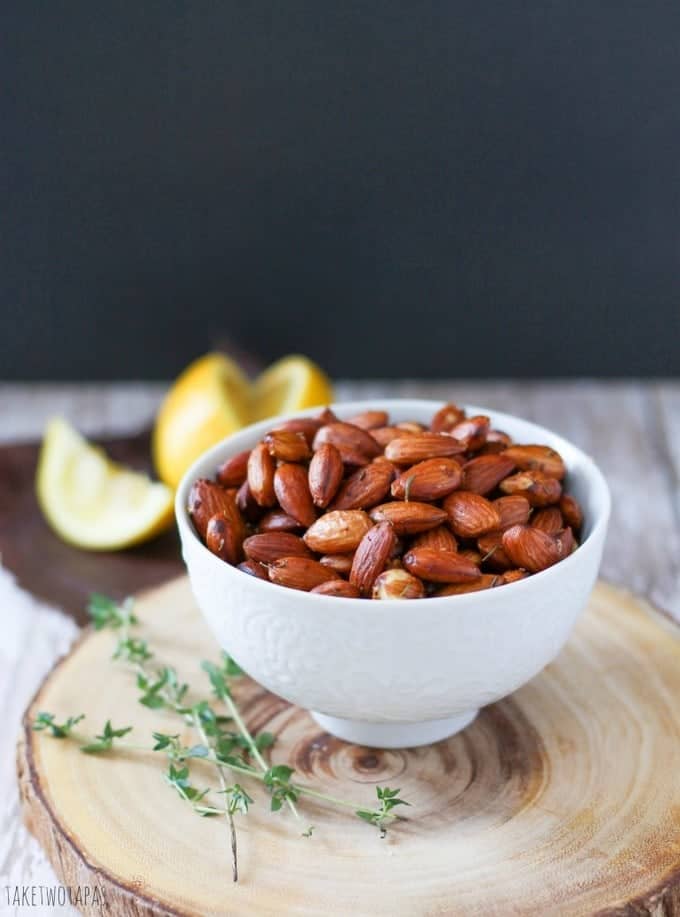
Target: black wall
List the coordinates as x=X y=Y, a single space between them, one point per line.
x=398 y=189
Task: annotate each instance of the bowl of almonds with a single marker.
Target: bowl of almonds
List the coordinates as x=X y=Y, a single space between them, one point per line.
x=392 y=566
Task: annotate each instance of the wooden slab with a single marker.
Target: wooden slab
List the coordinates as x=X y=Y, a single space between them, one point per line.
x=563 y=799
x=63 y=575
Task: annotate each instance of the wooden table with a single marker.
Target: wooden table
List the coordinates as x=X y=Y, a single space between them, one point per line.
x=631 y=429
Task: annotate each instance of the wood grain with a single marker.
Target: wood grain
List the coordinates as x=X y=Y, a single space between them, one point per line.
x=561 y=800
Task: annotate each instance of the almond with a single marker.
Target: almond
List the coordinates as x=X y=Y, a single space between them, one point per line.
x=446 y=418
x=325 y=474
x=385 y=435
x=411 y=426
x=513 y=510
x=250 y=509
x=539 y=488
x=254 y=569
x=337 y=532
x=341 y=563
x=233 y=472
x=278 y=521
x=548 y=520
x=439 y=566
x=571 y=511
x=538 y=458
x=491 y=548
x=369 y=420
x=352 y=442
x=485 y=581
x=308 y=426
x=511 y=576
x=224 y=535
x=409 y=518
x=371 y=556
x=483 y=474
x=474 y=556
x=261 y=468
x=300 y=573
x=470 y=515
x=428 y=481
x=398 y=584
x=291 y=488
x=206 y=498
x=327 y=416
x=365 y=487
x=416 y=447
x=472 y=431
x=498 y=436
x=533 y=549
x=267 y=547
x=287 y=445
x=439 y=539
x=337 y=587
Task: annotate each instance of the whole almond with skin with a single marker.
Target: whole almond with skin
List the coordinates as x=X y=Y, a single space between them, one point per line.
x=566 y=541
x=538 y=458
x=439 y=566
x=385 y=435
x=352 y=442
x=278 y=521
x=549 y=519
x=439 y=539
x=365 y=487
x=446 y=418
x=470 y=515
x=498 y=436
x=428 y=481
x=327 y=416
x=308 y=426
x=369 y=420
x=571 y=512
x=513 y=510
x=532 y=549
x=398 y=584
x=233 y=472
x=250 y=509
x=341 y=563
x=224 y=537
x=416 y=447
x=325 y=473
x=412 y=426
x=300 y=573
x=511 y=576
x=539 y=488
x=472 y=431
x=291 y=488
x=483 y=474
x=254 y=569
x=337 y=587
x=267 y=547
x=287 y=445
x=371 y=555
x=485 y=581
x=474 y=556
x=491 y=548
x=409 y=518
x=337 y=532
x=206 y=498
x=261 y=468
x=490 y=449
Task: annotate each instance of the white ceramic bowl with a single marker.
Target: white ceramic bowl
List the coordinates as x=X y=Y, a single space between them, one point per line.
x=397 y=673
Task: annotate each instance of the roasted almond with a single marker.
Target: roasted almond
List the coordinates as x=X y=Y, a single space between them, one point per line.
x=267 y=547
x=254 y=569
x=206 y=498
x=325 y=474
x=412 y=426
x=498 y=436
x=416 y=447
x=539 y=488
x=470 y=515
x=549 y=520
x=341 y=563
x=491 y=548
x=439 y=566
x=472 y=431
x=538 y=458
x=571 y=512
x=439 y=539
x=365 y=487
x=446 y=418
x=300 y=573
x=398 y=584
x=428 y=481
x=534 y=550
x=261 y=468
x=224 y=535
x=485 y=581
x=483 y=474
x=409 y=518
x=291 y=488
x=474 y=556
x=371 y=555
x=327 y=416
x=233 y=472
x=249 y=507
x=385 y=435
x=513 y=510
x=337 y=532
x=369 y=420
x=278 y=521
x=308 y=426
x=287 y=445
x=511 y=576
x=337 y=587
x=352 y=442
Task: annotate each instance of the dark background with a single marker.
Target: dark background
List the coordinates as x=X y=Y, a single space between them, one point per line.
x=397 y=189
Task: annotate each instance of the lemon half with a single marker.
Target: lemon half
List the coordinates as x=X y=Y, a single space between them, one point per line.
x=290 y=384
x=93 y=502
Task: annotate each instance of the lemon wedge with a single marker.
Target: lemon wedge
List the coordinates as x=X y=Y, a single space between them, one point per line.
x=290 y=384
x=208 y=401
x=93 y=502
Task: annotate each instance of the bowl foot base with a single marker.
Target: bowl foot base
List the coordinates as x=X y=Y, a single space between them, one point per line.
x=394 y=735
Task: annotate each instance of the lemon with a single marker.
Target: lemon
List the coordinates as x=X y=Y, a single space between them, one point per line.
x=290 y=384
x=209 y=400
x=91 y=501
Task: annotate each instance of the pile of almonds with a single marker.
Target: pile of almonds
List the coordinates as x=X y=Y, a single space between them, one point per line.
x=363 y=508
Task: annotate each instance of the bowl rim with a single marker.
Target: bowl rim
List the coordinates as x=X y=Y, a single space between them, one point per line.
x=595 y=478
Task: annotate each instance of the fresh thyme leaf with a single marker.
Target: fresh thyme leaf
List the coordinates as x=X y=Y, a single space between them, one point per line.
x=264 y=740
x=308 y=832
x=59 y=730
x=277 y=780
x=106 y=612
x=164 y=741
x=218 y=679
x=132 y=650
x=381 y=817
x=105 y=740
x=238 y=799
